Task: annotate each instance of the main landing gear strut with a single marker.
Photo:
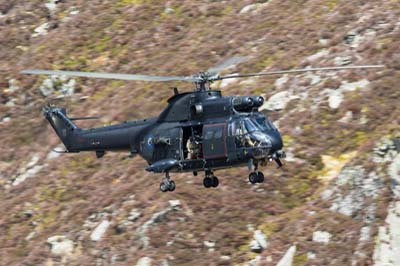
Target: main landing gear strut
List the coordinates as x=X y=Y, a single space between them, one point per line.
x=167 y=184
x=210 y=180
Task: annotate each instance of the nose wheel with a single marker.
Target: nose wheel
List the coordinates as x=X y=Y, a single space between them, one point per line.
x=210 y=180
x=167 y=184
x=256 y=177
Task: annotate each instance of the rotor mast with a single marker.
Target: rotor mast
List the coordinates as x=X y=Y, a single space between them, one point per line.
x=203 y=81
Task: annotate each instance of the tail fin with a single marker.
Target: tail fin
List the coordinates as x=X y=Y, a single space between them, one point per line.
x=62 y=125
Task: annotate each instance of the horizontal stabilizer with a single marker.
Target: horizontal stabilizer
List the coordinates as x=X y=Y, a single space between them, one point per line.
x=84 y=118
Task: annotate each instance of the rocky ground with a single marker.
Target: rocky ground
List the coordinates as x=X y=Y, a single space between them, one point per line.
x=335 y=202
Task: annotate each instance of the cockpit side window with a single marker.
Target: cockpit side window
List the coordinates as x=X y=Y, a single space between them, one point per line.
x=231 y=128
x=235 y=128
x=241 y=130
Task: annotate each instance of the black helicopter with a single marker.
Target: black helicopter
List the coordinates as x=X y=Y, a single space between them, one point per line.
x=197 y=131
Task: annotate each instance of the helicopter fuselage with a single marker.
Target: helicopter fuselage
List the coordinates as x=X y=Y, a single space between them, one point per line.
x=197 y=131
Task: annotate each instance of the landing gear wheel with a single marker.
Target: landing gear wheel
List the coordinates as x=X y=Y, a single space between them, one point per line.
x=167 y=184
x=208 y=182
x=260 y=177
x=215 y=181
x=171 y=186
x=253 y=177
x=164 y=187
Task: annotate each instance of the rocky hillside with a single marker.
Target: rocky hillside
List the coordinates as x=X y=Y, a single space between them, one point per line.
x=335 y=202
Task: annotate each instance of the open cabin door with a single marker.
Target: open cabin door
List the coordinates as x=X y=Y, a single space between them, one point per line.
x=168 y=145
x=214 y=141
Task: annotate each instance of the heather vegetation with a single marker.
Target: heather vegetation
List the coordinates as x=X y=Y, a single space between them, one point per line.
x=340 y=131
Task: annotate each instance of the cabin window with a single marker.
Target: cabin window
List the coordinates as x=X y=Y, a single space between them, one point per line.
x=218 y=134
x=209 y=135
x=214 y=140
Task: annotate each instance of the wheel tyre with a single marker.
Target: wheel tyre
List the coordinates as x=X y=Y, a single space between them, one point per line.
x=215 y=181
x=253 y=178
x=164 y=187
x=171 y=186
x=207 y=182
x=260 y=177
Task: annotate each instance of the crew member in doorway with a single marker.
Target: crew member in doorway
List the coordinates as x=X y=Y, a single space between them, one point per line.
x=193 y=147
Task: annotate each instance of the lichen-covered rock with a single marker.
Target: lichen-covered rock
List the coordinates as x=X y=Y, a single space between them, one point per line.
x=342 y=61
x=174 y=203
x=100 y=230
x=156 y=217
x=394 y=173
x=144 y=261
x=41 y=29
x=352 y=188
x=61 y=246
x=259 y=242
x=256 y=261
x=320 y=54
x=278 y=101
x=134 y=215
x=347 y=117
x=336 y=96
x=58 y=84
x=281 y=81
x=13 y=85
x=321 y=237
x=352 y=86
x=210 y=245
x=287 y=259
x=311 y=256
x=253 y=8
x=53 y=154
x=384 y=151
x=314 y=79
x=29 y=170
x=388 y=241
x=51 y=5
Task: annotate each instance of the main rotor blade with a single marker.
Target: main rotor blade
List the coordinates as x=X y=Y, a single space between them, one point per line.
x=228 y=63
x=294 y=71
x=109 y=75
